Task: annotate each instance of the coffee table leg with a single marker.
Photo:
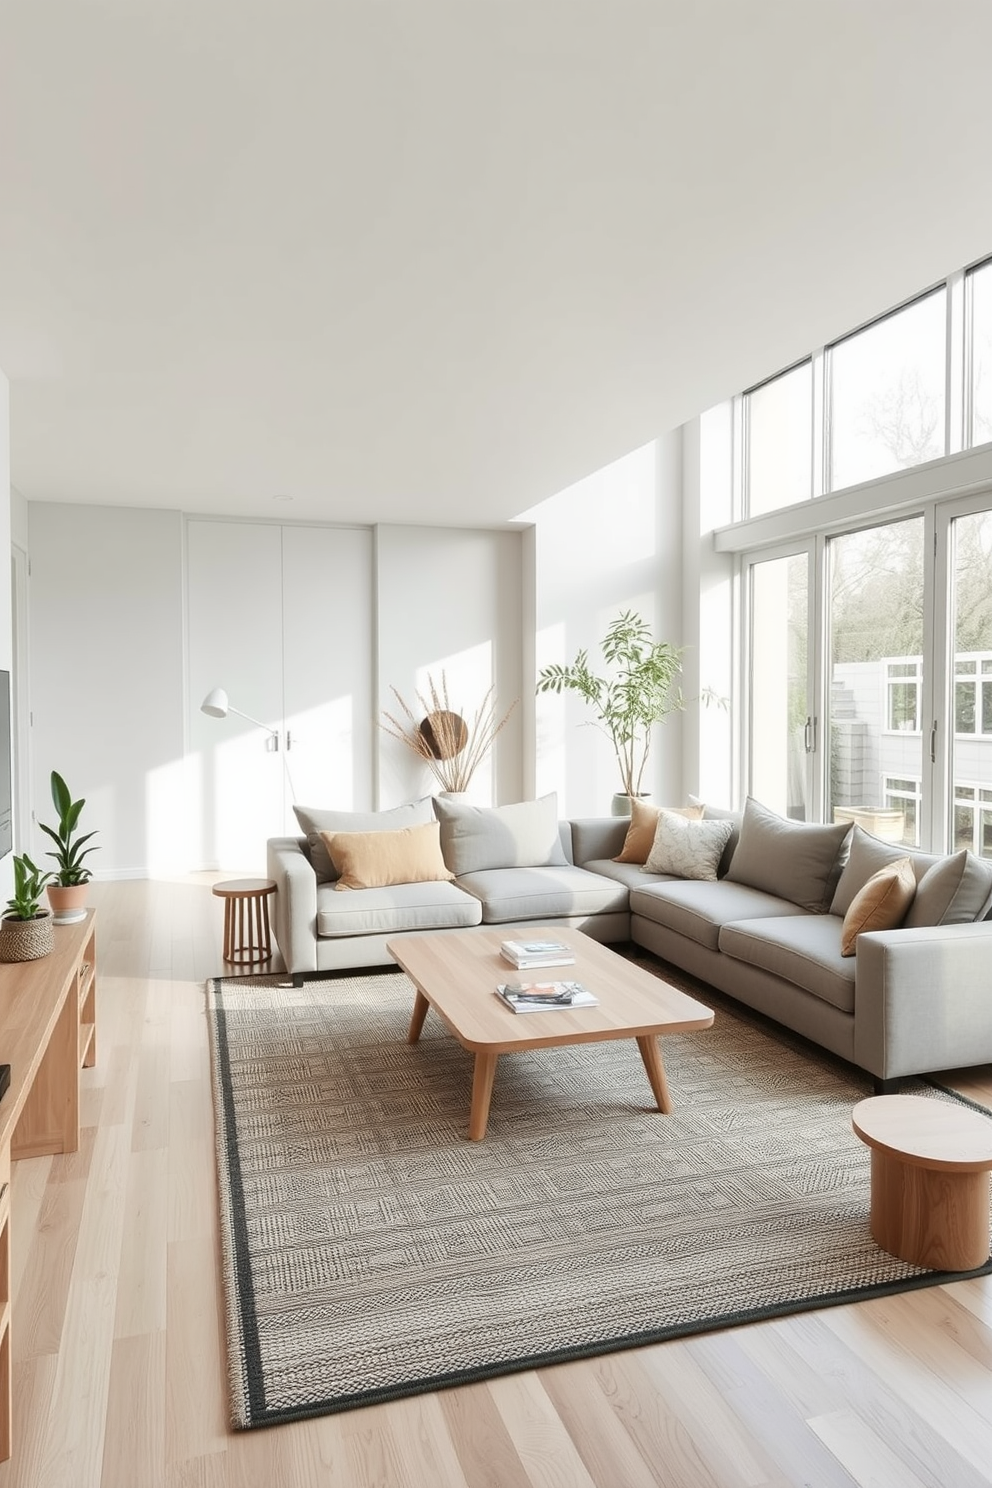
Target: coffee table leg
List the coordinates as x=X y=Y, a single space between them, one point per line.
x=482 y=1089
x=651 y=1054
x=417 y=1017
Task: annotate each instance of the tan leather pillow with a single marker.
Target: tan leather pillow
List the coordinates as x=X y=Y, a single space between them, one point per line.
x=375 y=860
x=881 y=904
x=643 y=825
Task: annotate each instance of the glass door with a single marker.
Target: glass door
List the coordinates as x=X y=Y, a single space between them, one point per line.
x=970 y=673
x=781 y=728
x=878 y=729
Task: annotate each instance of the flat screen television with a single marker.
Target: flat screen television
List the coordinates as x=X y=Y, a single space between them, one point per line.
x=6 y=769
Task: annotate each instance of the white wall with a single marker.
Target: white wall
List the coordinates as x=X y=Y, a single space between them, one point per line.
x=109 y=663
x=452 y=601
x=612 y=542
x=106 y=629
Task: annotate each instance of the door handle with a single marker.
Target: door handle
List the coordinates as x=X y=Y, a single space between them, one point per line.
x=933 y=743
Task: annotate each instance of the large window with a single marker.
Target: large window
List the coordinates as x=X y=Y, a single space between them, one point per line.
x=887 y=392
x=980 y=285
x=780 y=441
x=779 y=722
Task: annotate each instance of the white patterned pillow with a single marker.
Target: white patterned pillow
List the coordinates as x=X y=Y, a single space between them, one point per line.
x=687 y=849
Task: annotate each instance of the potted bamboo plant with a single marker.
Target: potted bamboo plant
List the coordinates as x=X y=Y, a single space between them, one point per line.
x=67 y=889
x=641 y=690
x=26 y=928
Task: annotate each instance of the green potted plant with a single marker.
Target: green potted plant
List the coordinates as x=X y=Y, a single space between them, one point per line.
x=26 y=928
x=67 y=886
x=641 y=690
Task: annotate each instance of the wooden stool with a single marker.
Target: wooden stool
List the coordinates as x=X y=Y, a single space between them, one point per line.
x=246 y=919
x=930 y=1164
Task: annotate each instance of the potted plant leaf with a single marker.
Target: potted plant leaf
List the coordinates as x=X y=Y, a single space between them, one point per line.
x=67 y=886
x=641 y=690
x=26 y=928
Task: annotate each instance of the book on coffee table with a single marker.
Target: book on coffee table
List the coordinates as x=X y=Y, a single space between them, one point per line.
x=524 y=954
x=543 y=997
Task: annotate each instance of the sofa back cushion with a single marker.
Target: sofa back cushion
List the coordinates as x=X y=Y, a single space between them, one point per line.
x=377 y=860
x=313 y=820
x=477 y=838
x=798 y=861
x=867 y=856
x=955 y=891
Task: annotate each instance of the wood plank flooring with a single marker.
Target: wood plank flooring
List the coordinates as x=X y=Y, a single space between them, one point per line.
x=118 y=1338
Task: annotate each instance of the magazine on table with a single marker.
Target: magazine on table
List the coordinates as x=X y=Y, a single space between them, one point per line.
x=525 y=953
x=543 y=997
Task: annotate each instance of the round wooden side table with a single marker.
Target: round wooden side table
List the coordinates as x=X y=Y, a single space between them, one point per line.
x=247 y=939
x=930 y=1164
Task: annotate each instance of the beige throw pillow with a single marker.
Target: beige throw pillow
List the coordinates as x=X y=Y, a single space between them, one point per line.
x=687 y=849
x=881 y=904
x=375 y=860
x=643 y=825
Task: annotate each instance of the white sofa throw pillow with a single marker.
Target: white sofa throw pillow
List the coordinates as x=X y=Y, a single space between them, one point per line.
x=687 y=849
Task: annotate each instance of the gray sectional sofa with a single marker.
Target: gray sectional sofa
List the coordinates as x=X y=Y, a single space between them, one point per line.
x=767 y=923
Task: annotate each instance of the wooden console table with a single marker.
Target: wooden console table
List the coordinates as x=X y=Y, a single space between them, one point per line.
x=47 y=1034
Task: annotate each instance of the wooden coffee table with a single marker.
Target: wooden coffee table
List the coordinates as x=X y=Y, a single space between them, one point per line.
x=456 y=971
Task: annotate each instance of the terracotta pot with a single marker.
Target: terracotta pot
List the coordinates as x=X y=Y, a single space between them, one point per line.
x=27 y=940
x=68 y=902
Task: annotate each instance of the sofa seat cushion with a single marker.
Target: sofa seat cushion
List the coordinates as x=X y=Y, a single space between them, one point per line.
x=802 y=949
x=630 y=874
x=697 y=910
x=549 y=893
x=388 y=911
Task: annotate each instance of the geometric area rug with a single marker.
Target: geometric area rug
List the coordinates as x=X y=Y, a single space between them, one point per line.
x=370 y=1251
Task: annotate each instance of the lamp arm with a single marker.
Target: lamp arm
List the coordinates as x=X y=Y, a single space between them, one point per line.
x=256 y=721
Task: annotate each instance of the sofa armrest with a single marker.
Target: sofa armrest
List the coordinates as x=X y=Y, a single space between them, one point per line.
x=922 y=999
x=596 y=837
x=295 y=912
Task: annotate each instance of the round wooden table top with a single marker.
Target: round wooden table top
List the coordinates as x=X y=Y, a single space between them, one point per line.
x=243 y=888
x=926 y=1133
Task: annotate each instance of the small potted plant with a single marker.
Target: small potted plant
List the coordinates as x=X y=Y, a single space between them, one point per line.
x=26 y=928
x=67 y=886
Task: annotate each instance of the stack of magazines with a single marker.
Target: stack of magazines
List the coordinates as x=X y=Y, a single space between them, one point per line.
x=543 y=997
x=524 y=954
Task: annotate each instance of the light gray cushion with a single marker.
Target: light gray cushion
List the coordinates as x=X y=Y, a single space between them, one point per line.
x=955 y=891
x=866 y=856
x=548 y=893
x=804 y=950
x=798 y=861
x=687 y=849
x=477 y=838
x=699 y=910
x=314 y=819
x=389 y=911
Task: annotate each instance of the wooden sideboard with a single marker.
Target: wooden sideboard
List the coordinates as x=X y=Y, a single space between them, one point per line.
x=47 y=1035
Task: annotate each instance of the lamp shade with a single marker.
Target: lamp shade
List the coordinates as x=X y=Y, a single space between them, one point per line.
x=215 y=703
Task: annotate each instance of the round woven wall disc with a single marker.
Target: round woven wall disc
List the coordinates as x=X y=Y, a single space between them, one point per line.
x=444 y=733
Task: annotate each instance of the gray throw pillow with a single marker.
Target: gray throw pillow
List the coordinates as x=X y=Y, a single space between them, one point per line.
x=797 y=861
x=313 y=820
x=477 y=838
x=955 y=891
x=867 y=856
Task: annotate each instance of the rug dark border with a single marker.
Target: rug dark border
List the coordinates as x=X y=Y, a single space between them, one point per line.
x=262 y=1415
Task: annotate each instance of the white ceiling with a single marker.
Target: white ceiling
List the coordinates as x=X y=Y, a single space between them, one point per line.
x=435 y=260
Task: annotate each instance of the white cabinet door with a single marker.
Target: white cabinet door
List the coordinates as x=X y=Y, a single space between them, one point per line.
x=327 y=667
x=235 y=641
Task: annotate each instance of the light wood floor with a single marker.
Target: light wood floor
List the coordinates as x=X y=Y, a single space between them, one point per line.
x=119 y=1370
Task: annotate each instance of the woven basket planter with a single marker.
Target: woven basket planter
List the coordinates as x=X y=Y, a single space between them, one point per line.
x=26 y=940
